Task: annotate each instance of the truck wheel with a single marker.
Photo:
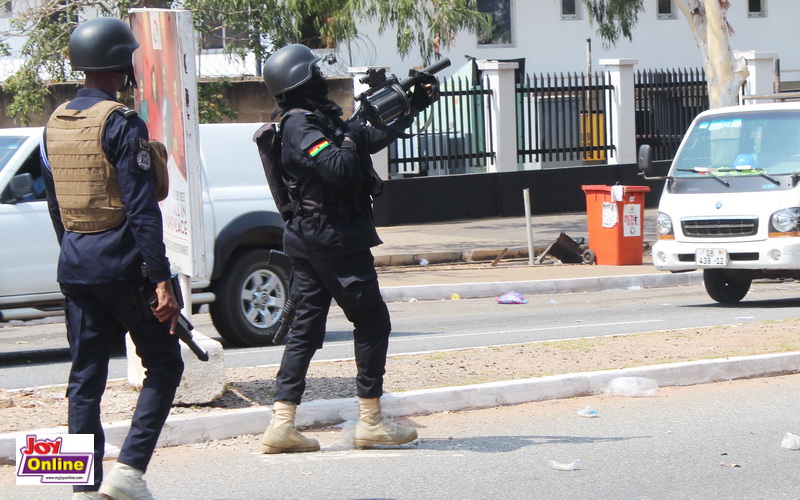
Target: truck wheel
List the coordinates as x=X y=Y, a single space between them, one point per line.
x=724 y=286
x=250 y=299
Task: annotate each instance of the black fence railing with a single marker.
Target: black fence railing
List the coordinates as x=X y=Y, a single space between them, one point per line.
x=564 y=120
x=448 y=138
x=666 y=103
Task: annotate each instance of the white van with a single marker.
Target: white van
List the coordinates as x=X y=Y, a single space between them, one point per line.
x=246 y=288
x=731 y=200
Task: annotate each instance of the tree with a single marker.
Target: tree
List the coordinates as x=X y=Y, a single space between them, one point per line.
x=259 y=25
x=262 y=24
x=709 y=24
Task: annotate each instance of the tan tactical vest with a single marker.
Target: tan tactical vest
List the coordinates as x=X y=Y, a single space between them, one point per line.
x=86 y=182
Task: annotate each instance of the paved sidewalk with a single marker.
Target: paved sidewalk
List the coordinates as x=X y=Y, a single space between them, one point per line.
x=460 y=259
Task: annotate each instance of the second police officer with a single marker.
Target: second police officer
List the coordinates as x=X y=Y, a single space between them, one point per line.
x=327 y=167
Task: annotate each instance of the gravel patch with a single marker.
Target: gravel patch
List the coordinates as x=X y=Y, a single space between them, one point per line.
x=252 y=387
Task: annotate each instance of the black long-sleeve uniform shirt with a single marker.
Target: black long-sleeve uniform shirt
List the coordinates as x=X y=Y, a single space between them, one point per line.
x=315 y=156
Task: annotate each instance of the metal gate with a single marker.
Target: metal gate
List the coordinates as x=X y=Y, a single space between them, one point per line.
x=666 y=103
x=448 y=138
x=564 y=120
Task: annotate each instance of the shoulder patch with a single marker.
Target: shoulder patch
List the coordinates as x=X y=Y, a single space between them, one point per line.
x=318 y=146
x=143 y=154
x=126 y=112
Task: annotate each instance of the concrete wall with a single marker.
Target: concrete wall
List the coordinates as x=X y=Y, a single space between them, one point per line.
x=58 y=94
x=247 y=96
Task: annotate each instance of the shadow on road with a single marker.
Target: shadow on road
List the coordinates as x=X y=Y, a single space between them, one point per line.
x=503 y=444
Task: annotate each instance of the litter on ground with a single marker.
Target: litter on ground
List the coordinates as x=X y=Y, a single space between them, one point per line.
x=511 y=298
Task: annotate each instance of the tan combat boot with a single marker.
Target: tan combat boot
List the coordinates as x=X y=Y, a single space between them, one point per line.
x=281 y=436
x=373 y=428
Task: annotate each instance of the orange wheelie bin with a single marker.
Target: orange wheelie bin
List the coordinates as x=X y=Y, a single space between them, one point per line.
x=615 y=216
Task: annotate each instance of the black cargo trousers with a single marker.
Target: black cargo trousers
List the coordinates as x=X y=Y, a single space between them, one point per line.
x=353 y=282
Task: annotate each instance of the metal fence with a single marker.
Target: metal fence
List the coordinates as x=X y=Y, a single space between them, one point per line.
x=448 y=138
x=564 y=120
x=666 y=103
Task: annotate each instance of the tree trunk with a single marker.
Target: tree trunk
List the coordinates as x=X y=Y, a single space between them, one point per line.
x=724 y=74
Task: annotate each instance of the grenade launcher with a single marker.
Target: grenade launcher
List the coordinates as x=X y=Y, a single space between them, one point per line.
x=387 y=98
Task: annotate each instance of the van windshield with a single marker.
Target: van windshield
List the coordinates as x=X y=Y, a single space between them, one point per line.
x=741 y=144
x=9 y=146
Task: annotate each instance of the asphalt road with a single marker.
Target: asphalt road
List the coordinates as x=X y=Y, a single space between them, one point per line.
x=713 y=441
x=450 y=324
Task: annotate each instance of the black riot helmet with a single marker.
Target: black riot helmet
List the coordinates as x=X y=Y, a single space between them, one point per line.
x=102 y=44
x=288 y=68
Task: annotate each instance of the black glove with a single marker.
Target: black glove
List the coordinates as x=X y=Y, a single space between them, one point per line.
x=357 y=132
x=422 y=97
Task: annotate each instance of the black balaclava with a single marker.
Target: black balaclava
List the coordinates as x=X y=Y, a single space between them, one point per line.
x=312 y=95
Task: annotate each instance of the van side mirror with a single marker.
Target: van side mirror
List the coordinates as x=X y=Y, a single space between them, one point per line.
x=645 y=159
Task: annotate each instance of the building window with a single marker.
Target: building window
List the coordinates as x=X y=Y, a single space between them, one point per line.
x=665 y=10
x=756 y=8
x=569 y=9
x=500 y=13
x=220 y=36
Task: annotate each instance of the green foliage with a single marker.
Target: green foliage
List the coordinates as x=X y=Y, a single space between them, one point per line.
x=47 y=27
x=256 y=26
x=211 y=99
x=428 y=24
x=431 y=25
x=29 y=94
x=614 y=18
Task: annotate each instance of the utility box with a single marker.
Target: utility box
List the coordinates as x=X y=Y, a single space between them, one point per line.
x=615 y=216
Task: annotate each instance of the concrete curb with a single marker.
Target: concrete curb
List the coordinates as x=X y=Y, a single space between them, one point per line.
x=483 y=289
x=413 y=259
x=223 y=425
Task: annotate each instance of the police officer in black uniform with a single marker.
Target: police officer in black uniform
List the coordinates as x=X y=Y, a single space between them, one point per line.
x=328 y=169
x=108 y=225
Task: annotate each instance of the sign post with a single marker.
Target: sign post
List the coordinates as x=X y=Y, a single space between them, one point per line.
x=166 y=99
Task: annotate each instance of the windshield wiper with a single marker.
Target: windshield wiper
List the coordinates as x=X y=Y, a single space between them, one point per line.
x=759 y=171
x=704 y=170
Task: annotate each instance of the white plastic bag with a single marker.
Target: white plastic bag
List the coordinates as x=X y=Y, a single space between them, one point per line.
x=574 y=465
x=632 y=387
x=791 y=441
x=588 y=413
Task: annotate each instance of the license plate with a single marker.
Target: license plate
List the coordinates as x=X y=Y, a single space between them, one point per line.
x=711 y=257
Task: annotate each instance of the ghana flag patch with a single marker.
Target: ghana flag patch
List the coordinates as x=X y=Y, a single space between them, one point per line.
x=317 y=147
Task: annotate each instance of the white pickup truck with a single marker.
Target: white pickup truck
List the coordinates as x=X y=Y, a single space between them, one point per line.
x=731 y=200
x=245 y=288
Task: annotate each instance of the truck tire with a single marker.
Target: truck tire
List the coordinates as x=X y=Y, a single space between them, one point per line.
x=726 y=287
x=250 y=297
